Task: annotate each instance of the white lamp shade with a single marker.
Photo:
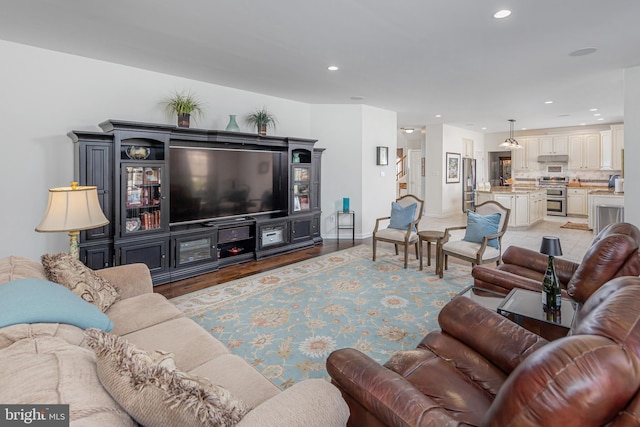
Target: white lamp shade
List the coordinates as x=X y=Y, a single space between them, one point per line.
x=72 y=209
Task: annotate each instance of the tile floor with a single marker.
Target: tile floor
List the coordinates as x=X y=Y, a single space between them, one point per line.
x=574 y=242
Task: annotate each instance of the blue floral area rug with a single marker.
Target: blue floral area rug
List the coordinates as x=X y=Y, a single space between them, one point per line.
x=286 y=321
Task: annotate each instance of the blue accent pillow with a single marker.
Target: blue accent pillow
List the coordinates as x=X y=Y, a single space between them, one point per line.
x=479 y=226
x=401 y=217
x=41 y=301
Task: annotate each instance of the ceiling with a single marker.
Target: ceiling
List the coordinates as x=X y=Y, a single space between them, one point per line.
x=419 y=58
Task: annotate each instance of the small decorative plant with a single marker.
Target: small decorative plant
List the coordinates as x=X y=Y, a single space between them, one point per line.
x=261 y=119
x=183 y=105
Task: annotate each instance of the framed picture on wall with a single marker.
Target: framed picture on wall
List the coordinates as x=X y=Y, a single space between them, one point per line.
x=382 y=156
x=453 y=168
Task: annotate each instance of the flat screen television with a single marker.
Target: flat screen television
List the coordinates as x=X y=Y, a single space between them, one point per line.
x=213 y=183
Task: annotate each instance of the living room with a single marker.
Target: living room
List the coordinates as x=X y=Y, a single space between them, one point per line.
x=54 y=91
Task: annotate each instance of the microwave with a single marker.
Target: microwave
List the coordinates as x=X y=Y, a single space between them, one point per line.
x=554 y=169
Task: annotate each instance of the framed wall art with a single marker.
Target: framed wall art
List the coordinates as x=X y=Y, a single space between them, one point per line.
x=453 y=168
x=382 y=156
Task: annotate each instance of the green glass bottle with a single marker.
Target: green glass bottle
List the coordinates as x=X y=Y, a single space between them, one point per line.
x=551 y=295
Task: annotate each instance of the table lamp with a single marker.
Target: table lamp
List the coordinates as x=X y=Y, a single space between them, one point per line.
x=551 y=295
x=72 y=209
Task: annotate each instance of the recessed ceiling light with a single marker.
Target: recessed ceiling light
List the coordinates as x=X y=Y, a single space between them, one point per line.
x=524 y=128
x=407 y=130
x=583 y=124
x=332 y=68
x=601 y=118
x=357 y=98
x=438 y=115
x=548 y=102
x=502 y=14
x=597 y=115
x=593 y=109
x=484 y=128
x=563 y=115
x=583 y=52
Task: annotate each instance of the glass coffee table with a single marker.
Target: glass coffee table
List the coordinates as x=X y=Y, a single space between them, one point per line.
x=484 y=297
x=524 y=307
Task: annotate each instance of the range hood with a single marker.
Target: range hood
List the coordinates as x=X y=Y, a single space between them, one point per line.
x=553 y=158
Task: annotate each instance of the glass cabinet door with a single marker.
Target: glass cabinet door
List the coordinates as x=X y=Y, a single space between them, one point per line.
x=142 y=194
x=301 y=188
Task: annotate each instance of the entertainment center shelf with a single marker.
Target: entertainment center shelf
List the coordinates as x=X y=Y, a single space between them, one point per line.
x=190 y=201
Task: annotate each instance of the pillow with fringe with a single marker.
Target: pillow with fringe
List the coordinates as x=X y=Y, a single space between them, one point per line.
x=154 y=392
x=68 y=271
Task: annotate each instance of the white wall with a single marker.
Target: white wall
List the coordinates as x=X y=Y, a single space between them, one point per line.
x=632 y=145
x=47 y=94
x=350 y=133
x=52 y=93
x=434 y=172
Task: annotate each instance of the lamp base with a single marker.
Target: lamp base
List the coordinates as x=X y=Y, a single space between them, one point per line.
x=74 y=251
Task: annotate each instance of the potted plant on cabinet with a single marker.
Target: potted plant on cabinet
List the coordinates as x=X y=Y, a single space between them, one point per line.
x=261 y=119
x=183 y=105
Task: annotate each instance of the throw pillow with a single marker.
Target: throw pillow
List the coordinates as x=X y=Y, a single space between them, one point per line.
x=68 y=271
x=479 y=226
x=154 y=392
x=401 y=217
x=41 y=301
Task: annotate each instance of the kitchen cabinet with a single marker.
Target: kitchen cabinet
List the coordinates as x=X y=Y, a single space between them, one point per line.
x=577 y=201
x=617 y=150
x=526 y=158
x=584 y=152
x=553 y=145
x=527 y=206
x=467 y=147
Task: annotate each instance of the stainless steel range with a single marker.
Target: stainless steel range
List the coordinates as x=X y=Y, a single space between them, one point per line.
x=556 y=187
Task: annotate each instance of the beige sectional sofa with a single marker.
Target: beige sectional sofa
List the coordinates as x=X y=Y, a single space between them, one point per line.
x=49 y=363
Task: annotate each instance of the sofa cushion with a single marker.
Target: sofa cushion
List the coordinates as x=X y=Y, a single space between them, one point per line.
x=239 y=377
x=68 y=271
x=41 y=301
x=15 y=267
x=140 y=312
x=154 y=392
x=39 y=368
x=192 y=345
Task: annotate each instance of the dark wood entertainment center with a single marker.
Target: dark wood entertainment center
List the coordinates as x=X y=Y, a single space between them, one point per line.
x=129 y=164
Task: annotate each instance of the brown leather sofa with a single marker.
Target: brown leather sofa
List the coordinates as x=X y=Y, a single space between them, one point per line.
x=496 y=373
x=613 y=253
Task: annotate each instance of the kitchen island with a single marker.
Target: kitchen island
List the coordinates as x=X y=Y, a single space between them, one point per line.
x=528 y=204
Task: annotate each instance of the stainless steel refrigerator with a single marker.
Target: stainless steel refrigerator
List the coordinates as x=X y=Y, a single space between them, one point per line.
x=468 y=184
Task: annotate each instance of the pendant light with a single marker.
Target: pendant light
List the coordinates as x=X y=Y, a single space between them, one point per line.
x=511 y=142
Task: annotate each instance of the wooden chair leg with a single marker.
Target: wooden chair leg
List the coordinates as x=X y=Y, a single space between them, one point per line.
x=396 y=246
x=374 y=248
x=417 y=254
x=406 y=255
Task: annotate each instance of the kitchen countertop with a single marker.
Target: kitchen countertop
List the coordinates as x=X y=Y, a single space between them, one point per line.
x=526 y=190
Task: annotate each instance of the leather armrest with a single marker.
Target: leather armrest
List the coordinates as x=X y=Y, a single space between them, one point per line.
x=387 y=395
x=493 y=336
x=502 y=281
x=536 y=261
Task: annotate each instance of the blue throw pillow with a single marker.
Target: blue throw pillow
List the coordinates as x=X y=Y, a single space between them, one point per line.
x=479 y=226
x=41 y=301
x=401 y=217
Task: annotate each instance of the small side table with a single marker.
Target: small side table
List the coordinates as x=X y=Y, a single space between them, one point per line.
x=524 y=307
x=430 y=236
x=350 y=226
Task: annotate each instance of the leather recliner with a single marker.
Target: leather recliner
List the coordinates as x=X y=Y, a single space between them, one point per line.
x=613 y=253
x=481 y=369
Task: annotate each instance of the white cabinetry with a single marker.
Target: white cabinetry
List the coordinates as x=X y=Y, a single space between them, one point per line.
x=527 y=207
x=617 y=143
x=553 y=145
x=584 y=152
x=577 y=201
x=467 y=147
x=597 y=199
x=526 y=158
